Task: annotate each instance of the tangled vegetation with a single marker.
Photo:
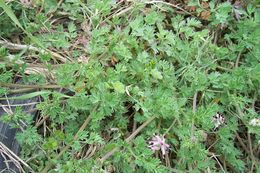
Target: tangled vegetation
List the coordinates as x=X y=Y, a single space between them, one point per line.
x=133 y=85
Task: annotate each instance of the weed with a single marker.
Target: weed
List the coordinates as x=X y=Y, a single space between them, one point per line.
x=186 y=71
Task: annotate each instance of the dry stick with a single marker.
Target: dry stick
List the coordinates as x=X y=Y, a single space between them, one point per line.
x=83 y=126
x=132 y=136
x=41 y=121
x=214 y=156
x=22 y=90
x=11 y=85
x=39 y=65
x=242 y=143
x=116 y=14
x=223 y=68
x=253 y=102
x=4 y=157
x=14 y=46
x=151 y=2
x=23 y=104
x=134 y=126
x=15 y=156
x=254 y=108
x=238 y=59
x=257 y=151
x=31 y=110
x=216 y=37
x=172 y=5
x=194 y=108
x=123 y=11
x=92 y=152
x=44 y=118
x=119 y=12
x=251 y=151
x=194 y=103
x=88 y=152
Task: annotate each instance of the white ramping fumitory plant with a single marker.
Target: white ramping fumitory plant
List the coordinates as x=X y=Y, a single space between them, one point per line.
x=158 y=143
x=255 y=122
x=218 y=119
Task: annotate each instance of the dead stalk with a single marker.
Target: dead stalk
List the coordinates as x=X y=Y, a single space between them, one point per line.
x=14 y=157
x=49 y=165
x=132 y=136
x=14 y=46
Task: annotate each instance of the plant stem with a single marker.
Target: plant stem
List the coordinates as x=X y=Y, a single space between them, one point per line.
x=11 y=85
x=14 y=46
x=251 y=151
x=224 y=68
x=49 y=165
x=11 y=154
x=241 y=142
x=194 y=108
x=22 y=90
x=132 y=136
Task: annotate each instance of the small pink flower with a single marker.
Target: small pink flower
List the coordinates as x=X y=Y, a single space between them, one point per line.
x=27 y=3
x=158 y=143
x=236 y=9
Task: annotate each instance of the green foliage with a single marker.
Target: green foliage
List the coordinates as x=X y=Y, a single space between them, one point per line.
x=18 y=119
x=125 y=63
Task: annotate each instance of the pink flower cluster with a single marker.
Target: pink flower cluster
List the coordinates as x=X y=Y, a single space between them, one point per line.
x=158 y=143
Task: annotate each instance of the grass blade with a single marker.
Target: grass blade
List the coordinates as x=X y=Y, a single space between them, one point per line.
x=10 y=14
x=27 y=96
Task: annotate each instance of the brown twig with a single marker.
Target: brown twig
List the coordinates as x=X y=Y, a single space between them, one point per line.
x=132 y=136
x=14 y=46
x=39 y=123
x=11 y=85
x=223 y=68
x=169 y=4
x=194 y=103
x=216 y=37
x=238 y=59
x=194 y=108
x=22 y=104
x=251 y=151
x=215 y=157
x=14 y=157
x=242 y=143
x=22 y=90
x=49 y=165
